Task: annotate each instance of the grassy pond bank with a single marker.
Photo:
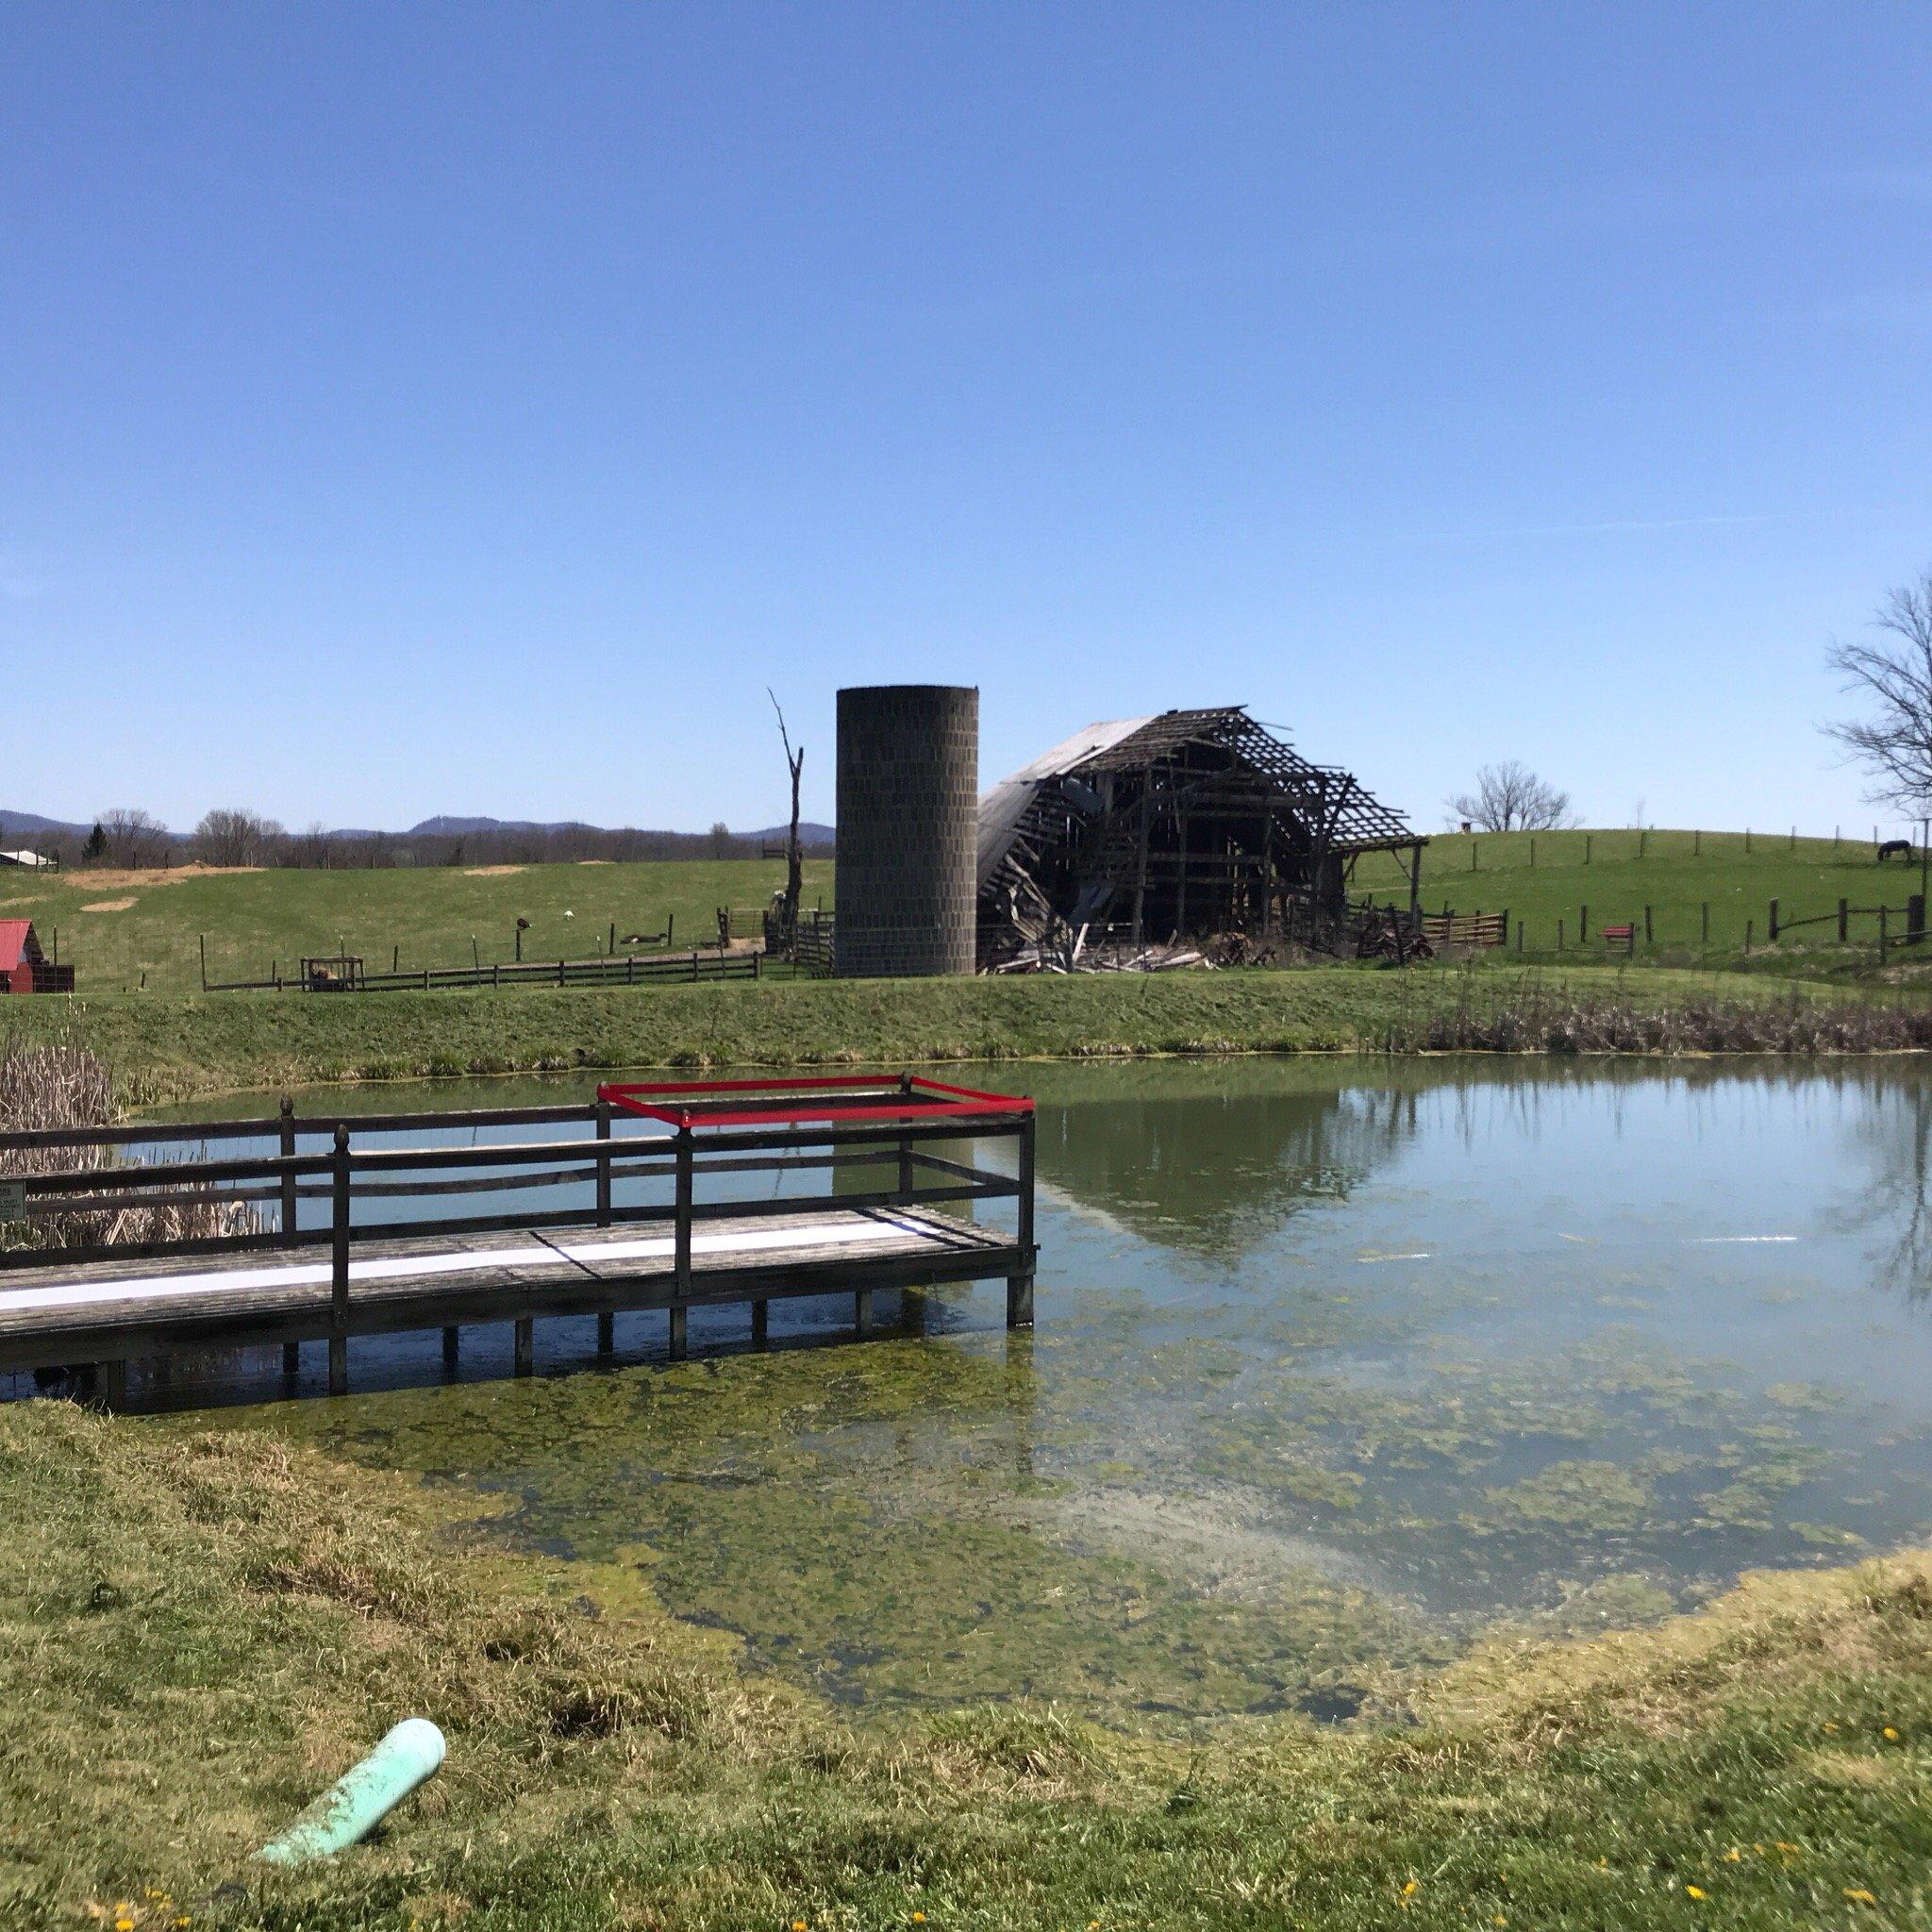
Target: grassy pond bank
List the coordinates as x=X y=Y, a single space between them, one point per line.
x=1356 y=1542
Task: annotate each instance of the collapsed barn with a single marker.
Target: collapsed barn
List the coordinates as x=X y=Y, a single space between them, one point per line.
x=1191 y=822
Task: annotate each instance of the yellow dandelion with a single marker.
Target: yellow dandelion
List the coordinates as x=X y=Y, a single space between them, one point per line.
x=1410 y=1889
x=1831 y=1727
x=1890 y=1735
x=1732 y=1856
x=1499 y=1919
x=1694 y=1890
x=1859 y=1896
x=919 y=1918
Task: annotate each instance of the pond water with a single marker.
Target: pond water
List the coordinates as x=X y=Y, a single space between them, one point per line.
x=1337 y=1363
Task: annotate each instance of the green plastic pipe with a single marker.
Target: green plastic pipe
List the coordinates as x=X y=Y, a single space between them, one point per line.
x=362 y=1797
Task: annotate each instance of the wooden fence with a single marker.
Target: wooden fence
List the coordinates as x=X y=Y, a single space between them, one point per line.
x=1466 y=928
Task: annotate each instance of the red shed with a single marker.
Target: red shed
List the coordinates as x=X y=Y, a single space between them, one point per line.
x=24 y=968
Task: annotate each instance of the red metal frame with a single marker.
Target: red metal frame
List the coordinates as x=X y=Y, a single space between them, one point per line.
x=658 y=1100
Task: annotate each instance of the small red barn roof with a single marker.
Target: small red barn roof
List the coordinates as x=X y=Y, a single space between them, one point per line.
x=14 y=933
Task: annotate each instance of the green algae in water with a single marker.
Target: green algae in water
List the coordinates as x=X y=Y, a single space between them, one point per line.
x=1329 y=1377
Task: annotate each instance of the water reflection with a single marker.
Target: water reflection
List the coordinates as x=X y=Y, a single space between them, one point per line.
x=1338 y=1362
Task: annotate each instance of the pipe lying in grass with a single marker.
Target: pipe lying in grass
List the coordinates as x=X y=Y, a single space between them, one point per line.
x=362 y=1797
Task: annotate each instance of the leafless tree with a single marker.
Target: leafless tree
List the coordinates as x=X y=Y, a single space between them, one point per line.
x=1509 y=797
x=134 y=838
x=794 y=857
x=1892 y=673
x=236 y=837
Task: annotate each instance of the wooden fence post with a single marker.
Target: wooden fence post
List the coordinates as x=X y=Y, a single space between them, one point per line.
x=1771 y=924
x=1704 y=917
x=339 y=1266
x=1559 y=934
x=1697 y=844
x=1646 y=925
x=1748 y=935
x=1844 y=912
x=1583 y=925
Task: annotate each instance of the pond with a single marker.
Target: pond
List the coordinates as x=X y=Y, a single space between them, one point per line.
x=1338 y=1364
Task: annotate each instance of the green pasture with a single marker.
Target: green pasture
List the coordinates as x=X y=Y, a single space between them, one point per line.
x=125 y=930
x=1692 y=883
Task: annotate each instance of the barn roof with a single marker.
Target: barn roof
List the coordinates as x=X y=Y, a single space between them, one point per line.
x=1354 y=819
x=14 y=933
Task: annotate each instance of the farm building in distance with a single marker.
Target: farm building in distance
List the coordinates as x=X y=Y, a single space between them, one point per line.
x=1188 y=823
x=24 y=968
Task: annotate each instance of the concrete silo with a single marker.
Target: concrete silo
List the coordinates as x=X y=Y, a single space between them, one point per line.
x=908 y=816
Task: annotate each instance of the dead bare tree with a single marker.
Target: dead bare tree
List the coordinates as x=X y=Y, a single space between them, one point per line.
x=236 y=837
x=1509 y=797
x=1892 y=674
x=133 y=837
x=794 y=857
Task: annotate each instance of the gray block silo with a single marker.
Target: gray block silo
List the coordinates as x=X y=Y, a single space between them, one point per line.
x=908 y=818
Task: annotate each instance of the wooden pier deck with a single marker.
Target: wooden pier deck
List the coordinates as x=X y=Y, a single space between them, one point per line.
x=286 y=1284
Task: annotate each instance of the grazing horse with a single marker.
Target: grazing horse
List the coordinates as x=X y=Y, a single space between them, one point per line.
x=1902 y=847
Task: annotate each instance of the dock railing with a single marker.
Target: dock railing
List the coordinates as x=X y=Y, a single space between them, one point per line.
x=683 y=1135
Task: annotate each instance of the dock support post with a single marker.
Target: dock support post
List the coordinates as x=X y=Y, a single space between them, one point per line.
x=905 y=1189
x=603 y=1163
x=607 y=1333
x=1020 y=1286
x=288 y=1153
x=111 y=1385
x=760 y=1322
x=339 y=1267
x=861 y=1312
x=526 y=1347
x=451 y=1349
x=292 y=1360
x=676 y=1336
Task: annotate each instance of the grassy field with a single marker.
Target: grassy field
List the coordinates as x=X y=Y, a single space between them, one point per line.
x=1676 y=875
x=198 y=1631
x=164 y=1048
x=124 y=930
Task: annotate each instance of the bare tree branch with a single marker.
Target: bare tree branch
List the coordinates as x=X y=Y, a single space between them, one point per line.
x=794 y=857
x=1893 y=675
x=1509 y=797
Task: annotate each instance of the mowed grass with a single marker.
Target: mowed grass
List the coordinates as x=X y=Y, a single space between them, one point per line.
x=1676 y=875
x=126 y=930
x=171 y=1048
x=199 y=1631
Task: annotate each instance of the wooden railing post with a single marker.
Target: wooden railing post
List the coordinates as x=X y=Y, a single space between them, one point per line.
x=607 y=1323
x=1020 y=1286
x=288 y=1153
x=683 y=1241
x=1844 y=912
x=339 y=1266
x=904 y=1190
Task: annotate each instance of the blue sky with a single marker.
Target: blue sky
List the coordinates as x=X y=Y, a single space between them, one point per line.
x=411 y=410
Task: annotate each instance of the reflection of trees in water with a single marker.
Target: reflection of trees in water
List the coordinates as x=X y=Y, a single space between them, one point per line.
x=1212 y=1173
x=1896 y=1124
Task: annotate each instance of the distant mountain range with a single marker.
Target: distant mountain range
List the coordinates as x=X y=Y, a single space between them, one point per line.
x=28 y=825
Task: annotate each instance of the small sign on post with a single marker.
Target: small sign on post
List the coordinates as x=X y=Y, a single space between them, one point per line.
x=12 y=1200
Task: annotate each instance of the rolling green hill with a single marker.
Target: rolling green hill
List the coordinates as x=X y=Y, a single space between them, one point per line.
x=1703 y=889
x=118 y=926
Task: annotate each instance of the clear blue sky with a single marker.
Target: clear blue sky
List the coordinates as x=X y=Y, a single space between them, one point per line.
x=410 y=410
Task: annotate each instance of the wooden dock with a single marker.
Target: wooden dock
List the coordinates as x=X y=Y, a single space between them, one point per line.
x=651 y=1235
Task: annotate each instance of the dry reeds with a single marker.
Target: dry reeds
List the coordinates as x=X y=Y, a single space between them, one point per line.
x=1533 y=1017
x=63 y=1085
